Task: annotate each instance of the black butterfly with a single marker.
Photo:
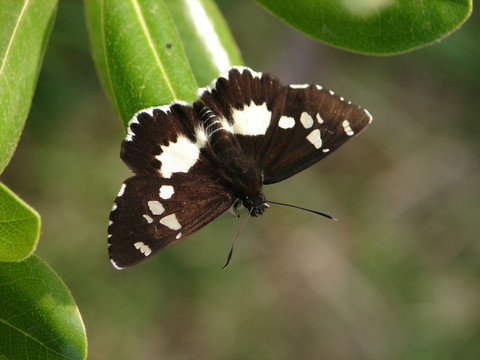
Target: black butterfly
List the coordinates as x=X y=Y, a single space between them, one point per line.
x=193 y=163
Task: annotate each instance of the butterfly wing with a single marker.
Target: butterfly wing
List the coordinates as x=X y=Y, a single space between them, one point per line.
x=166 y=140
x=284 y=128
x=176 y=190
x=151 y=213
x=308 y=123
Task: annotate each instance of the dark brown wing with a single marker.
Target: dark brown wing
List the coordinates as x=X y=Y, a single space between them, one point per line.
x=285 y=129
x=151 y=213
x=165 y=140
x=308 y=123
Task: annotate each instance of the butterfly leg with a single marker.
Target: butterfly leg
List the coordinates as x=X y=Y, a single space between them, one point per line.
x=237 y=205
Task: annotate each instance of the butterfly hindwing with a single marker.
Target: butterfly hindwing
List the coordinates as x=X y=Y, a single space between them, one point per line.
x=151 y=213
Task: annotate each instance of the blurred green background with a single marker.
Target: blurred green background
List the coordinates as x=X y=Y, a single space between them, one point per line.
x=397 y=277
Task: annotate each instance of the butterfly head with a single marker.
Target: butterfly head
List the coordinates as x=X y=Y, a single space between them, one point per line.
x=246 y=178
x=255 y=204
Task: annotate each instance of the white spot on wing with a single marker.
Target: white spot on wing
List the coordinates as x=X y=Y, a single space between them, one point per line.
x=251 y=120
x=144 y=249
x=148 y=218
x=200 y=136
x=130 y=133
x=224 y=75
x=179 y=235
x=315 y=139
x=370 y=118
x=319 y=87
x=114 y=207
x=326 y=150
x=286 y=122
x=171 y=222
x=226 y=125
x=166 y=191
x=306 y=120
x=346 y=127
x=122 y=189
x=149 y=111
x=115 y=265
x=299 y=86
x=178 y=156
x=155 y=207
x=319 y=118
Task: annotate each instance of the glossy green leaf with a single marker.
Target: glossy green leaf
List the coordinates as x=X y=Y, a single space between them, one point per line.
x=19 y=227
x=206 y=38
x=139 y=54
x=25 y=28
x=38 y=317
x=171 y=47
x=376 y=27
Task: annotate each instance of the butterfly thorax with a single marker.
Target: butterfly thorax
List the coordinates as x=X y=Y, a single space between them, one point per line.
x=241 y=174
x=239 y=171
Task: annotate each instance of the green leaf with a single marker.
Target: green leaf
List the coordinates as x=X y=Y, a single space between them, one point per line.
x=25 y=28
x=147 y=64
x=19 y=227
x=376 y=27
x=138 y=53
x=38 y=317
x=206 y=38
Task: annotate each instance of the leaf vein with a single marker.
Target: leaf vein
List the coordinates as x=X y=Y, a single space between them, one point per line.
x=20 y=17
x=151 y=44
x=32 y=338
x=107 y=65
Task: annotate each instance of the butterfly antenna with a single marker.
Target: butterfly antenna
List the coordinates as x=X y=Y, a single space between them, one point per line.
x=235 y=241
x=301 y=208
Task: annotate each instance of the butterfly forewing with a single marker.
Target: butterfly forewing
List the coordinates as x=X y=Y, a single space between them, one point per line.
x=243 y=99
x=163 y=140
x=238 y=88
x=308 y=123
x=151 y=213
